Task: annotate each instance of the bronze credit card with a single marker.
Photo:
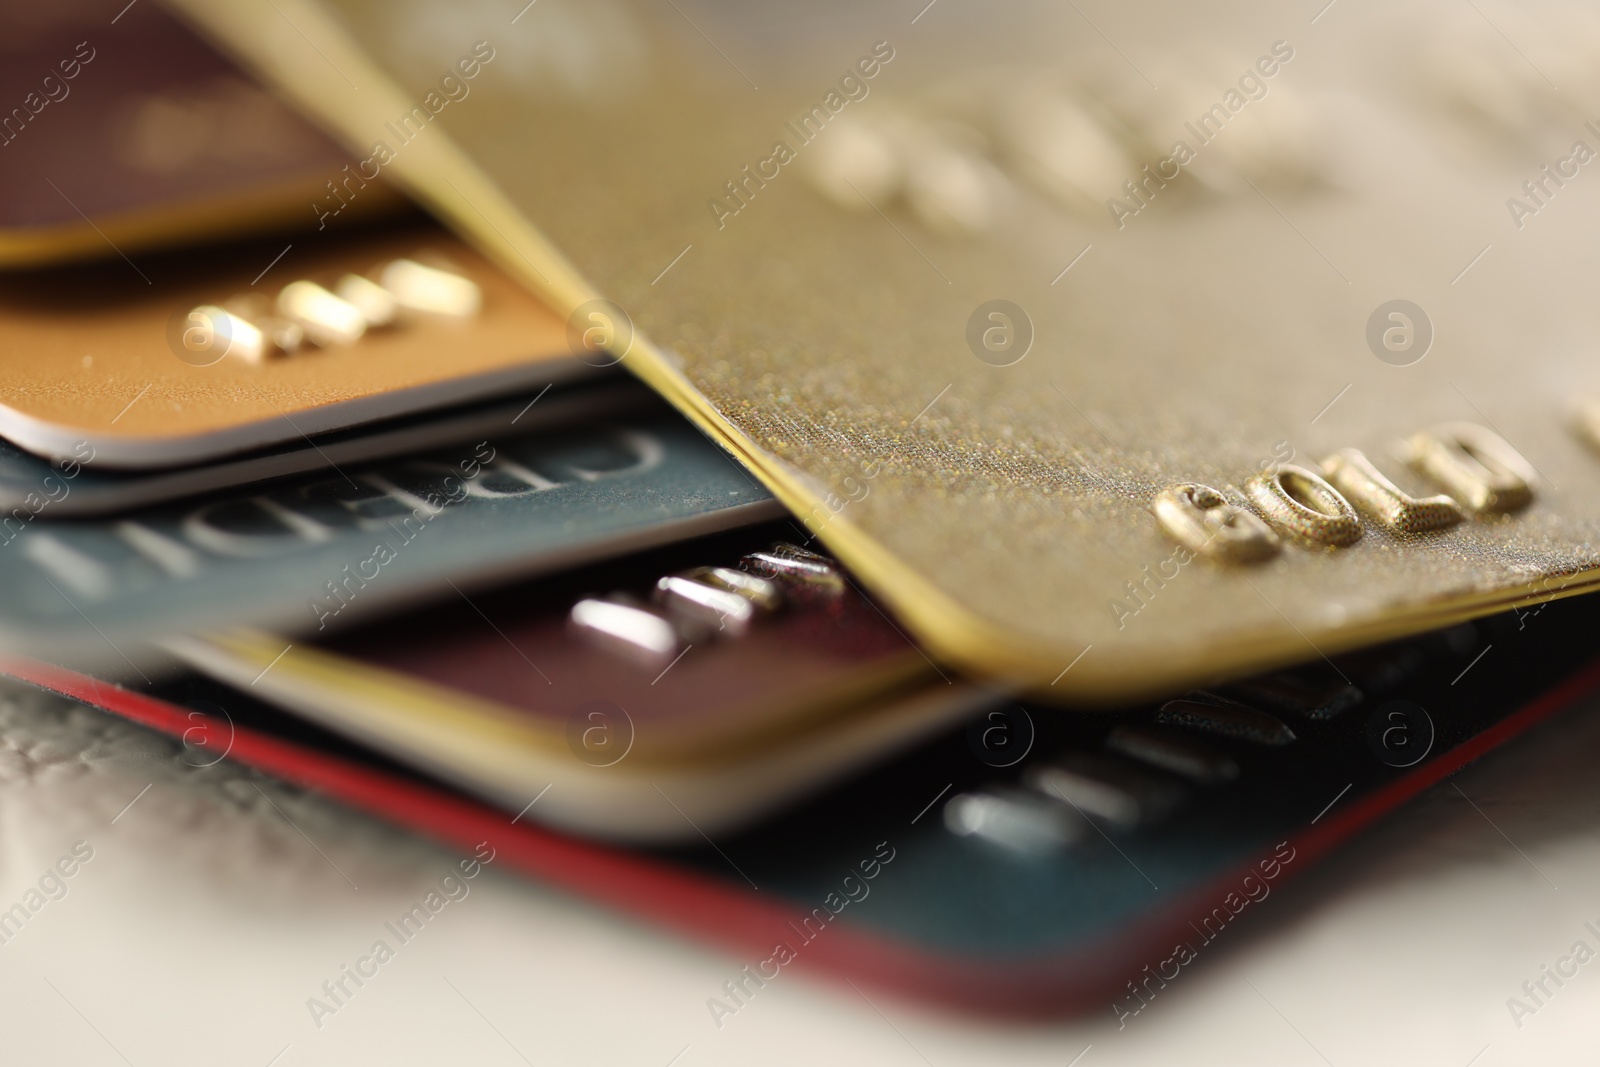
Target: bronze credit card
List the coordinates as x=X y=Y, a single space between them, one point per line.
x=231 y=349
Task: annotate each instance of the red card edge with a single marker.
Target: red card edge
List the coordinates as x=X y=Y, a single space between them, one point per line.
x=749 y=926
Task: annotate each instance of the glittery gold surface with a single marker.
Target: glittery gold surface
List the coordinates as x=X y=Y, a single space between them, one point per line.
x=1002 y=511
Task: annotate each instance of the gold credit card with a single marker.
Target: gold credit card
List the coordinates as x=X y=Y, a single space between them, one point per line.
x=1114 y=349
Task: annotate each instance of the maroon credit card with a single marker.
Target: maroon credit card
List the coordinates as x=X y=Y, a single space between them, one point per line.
x=127 y=131
x=698 y=687
x=708 y=660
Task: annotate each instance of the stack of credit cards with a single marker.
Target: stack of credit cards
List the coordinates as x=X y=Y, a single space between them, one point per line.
x=975 y=515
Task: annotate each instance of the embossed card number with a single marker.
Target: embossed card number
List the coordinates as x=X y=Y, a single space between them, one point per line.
x=251 y=329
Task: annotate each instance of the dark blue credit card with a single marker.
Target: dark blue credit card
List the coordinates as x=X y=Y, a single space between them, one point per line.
x=1035 y=861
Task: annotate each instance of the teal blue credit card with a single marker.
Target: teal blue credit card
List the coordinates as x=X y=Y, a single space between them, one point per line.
x=310 y=554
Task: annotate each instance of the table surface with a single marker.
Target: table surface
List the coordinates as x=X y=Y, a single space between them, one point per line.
x=218 y=901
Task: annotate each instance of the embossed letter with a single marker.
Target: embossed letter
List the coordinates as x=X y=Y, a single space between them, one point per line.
x=1200 y=519
x=1302 y=504
x=1474 y=465
x=1385 y=503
